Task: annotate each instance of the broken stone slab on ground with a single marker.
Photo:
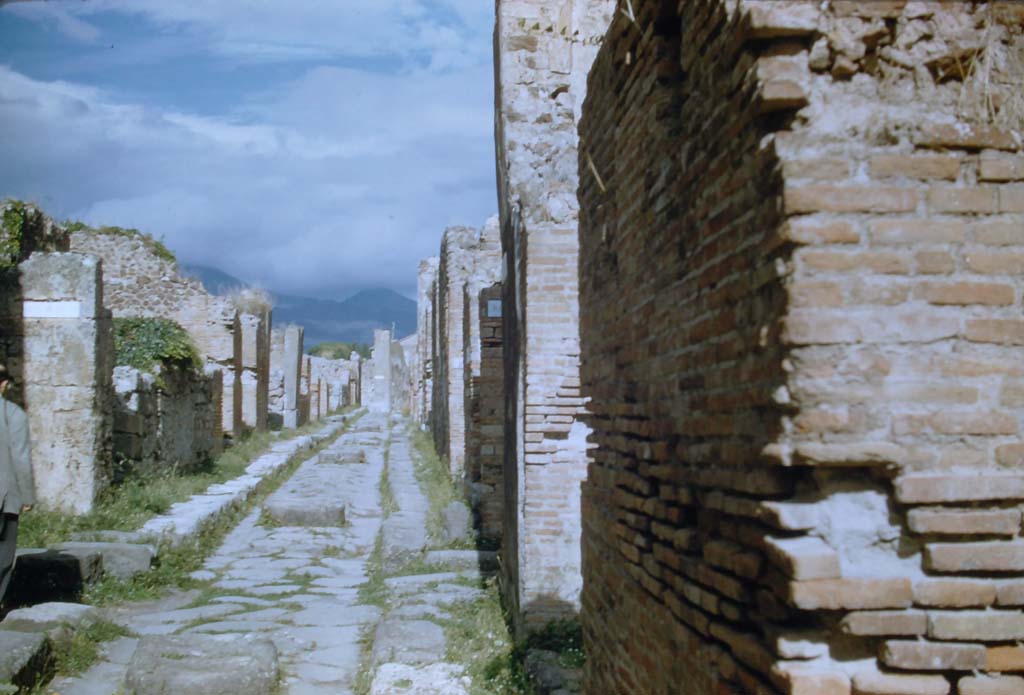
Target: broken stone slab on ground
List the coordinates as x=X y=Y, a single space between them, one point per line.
x=199 y=664
x=42 y=575
x=23 y=657
x=121 y=560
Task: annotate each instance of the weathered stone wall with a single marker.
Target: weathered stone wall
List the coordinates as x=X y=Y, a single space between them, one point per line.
x=140 y=281
x=543 y=50
x=423 y=382
x=67 y=361
x=24 y=230
x=275 y=388
x=165 y=422
x=802 y=340
x=334 y=375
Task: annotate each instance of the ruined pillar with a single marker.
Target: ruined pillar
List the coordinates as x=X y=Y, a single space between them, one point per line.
x=423 y=380
x=255 y=373
x=381 y=360
x=292 y=374
x=68 y=365
x=456 y=263
x=543 y=51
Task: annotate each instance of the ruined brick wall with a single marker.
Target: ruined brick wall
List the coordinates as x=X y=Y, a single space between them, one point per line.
x=139 y=281
x=801 y=329
x=166 y=424
x=483 y=398
x=543 y=50
x=487 y=415
x=456 y=262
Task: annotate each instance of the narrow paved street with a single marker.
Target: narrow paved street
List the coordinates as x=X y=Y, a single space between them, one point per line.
x=330 y=586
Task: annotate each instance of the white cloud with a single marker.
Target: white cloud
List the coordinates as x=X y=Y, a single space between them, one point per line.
x=317 y=191
x=271 y=30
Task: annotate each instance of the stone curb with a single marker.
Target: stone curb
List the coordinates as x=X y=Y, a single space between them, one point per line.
x=188 y=519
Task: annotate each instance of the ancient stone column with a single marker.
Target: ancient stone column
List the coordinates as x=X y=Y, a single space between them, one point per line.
x=292 y=374
x=68 y=364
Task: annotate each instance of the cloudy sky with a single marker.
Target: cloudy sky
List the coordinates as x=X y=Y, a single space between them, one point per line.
x=310 y=146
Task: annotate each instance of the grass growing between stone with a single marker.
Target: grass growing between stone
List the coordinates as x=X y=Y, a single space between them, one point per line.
x=176 y=564
x=78 y=652
x=433 y=474
x=138 y=498
x=478 y=639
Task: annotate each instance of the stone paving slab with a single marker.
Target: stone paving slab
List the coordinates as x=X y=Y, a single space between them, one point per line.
x=200 y=664
x=309 y=498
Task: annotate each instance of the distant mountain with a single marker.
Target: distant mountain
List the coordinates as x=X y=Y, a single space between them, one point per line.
x=325 y=320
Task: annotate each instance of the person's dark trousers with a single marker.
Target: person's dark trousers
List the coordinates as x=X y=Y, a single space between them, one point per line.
x=8 y=541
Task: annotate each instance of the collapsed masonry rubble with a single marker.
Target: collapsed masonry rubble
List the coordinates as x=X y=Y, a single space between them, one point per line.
x=785 y=332
x=63 y=306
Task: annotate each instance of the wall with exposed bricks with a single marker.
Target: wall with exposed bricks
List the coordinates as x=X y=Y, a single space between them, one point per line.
x=543 y=51
x=801 y=276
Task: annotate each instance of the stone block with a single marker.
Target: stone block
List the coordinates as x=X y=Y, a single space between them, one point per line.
x=991 y=685
x=873 y=682
x=885 y=623
x=42 y=576
x=993 y=556
x=57 y=620
x=121 y=560
x=933 y=656
x=956 y=522
x=221 y=665
x=804 y=558
x=851 y=594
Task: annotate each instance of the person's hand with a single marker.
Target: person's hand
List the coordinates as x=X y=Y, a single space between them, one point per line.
x=26 y=508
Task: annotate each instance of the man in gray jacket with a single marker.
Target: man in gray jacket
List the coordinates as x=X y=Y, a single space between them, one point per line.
x=17 y=489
